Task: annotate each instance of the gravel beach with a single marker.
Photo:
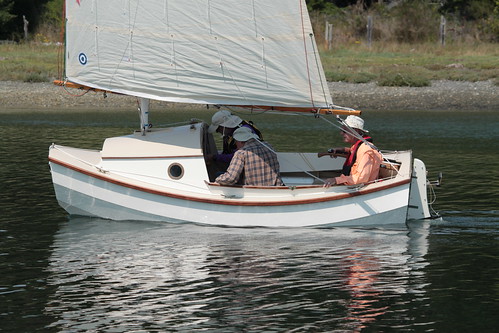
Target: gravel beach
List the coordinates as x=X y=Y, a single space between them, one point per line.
x=441 y=95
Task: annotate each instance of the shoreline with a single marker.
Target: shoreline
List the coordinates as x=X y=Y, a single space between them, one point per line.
x=440 y=96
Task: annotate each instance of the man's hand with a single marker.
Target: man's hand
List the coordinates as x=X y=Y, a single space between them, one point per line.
x=330 y=182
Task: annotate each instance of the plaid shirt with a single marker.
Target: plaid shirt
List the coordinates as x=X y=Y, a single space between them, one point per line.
x=258 y=164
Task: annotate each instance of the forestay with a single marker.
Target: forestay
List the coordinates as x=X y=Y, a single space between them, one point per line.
x=240 y=52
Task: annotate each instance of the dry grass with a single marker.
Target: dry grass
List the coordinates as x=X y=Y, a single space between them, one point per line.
x=31 y=62
x=417 y=63
x=387 y=63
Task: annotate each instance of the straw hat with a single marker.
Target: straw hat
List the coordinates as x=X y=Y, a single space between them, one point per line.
x=355 y=122
x=223 y=118
x=244 y=134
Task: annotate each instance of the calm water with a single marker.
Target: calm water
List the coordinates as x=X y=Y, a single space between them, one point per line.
x=60 y=274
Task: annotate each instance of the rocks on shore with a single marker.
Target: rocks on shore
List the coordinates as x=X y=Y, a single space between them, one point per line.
x=441 y=95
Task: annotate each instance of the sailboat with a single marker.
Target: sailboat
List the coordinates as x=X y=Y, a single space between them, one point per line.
x=256 y=55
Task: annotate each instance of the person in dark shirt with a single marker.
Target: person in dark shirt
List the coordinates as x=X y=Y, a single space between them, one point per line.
x=225 y=123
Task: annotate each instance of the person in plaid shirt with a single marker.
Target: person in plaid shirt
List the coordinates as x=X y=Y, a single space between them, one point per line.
x=254 y=163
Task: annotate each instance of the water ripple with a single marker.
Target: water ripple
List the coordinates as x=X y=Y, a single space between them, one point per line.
x=94 y=275
x=127 y=276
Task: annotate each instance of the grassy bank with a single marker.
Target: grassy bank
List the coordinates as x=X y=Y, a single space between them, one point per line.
x=396 y=64
x=386 y=64
x=31 y=62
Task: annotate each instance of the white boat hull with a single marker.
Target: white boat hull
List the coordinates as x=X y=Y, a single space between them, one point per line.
x=102 y=199
x=127 y=180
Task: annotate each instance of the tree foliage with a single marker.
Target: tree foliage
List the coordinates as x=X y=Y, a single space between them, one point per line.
x=328 y=4
x=6 y=15
x=409 y=19
x=469 y=9
x=466 y=9
x=52 y=13
x=49 y=12
x=31 y=9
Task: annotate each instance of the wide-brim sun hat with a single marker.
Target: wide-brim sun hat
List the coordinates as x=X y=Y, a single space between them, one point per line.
x=244 y=134
x=223 y=118
x=355 y=122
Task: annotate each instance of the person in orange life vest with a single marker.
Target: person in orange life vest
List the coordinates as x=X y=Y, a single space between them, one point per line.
x=225 y=123
x=362 y=160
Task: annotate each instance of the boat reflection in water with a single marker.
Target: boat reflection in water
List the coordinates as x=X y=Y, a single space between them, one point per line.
x=368 y=277
x=133 y=275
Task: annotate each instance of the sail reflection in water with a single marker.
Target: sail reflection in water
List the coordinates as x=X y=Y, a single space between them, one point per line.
x=133 y=275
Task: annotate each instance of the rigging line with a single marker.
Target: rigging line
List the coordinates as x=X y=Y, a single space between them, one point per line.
x=334 y=106
x=431 y=201
x=251 y=110
x=306 y=55
x=348 y=130
x=209 y=17
x=318 y=69
x=356 y=135
x=173 y=63
x=294 y=165
x=117 y=172
x=61 y=59
x=132 y=26
x=96 y=35
x=166 y=18
x=356 y=187
x=433 y=197
x=387 y=160
x=222 y=66
x=254 y=19
x=310 y=166
x=54 y=146
x=220 y=59
x=264 y=65
x=128 y=47
x=119 y=64
x=74 y=95
x=189 y=122
x=131 y=57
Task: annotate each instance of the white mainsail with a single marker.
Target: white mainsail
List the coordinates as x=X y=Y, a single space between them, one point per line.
x=238 y=52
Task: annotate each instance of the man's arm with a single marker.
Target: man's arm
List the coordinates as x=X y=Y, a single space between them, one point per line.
x=335 y=152
x=234 y=171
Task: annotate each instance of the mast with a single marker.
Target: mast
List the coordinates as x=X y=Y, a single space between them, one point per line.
x=144 y=115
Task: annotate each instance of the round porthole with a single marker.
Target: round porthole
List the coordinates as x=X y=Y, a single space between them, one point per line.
x=175 y=171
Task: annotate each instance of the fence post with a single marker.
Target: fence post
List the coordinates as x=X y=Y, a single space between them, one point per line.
x=329 y=35
x=369 y=30
x=326 y=34
x=442 y=30
x=26 y=22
